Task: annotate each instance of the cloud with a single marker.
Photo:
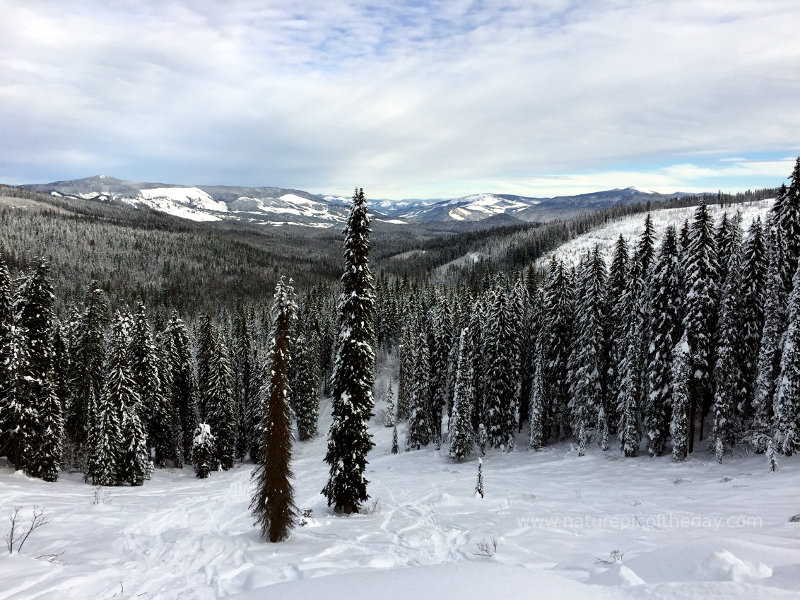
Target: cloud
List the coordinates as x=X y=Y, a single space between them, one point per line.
x=415 y=99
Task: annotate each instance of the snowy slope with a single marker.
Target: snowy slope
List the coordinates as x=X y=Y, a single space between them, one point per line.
x=631 y=228
x=693 y=530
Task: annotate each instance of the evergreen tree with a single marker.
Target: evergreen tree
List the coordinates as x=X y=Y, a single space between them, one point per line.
x=20 y=417
x=618 y=313
x=537 y=404
x=700 y=316
x=588 y=360
x=219 y=402
x=389 y=398
x=728 y=370
x=502 y=375
x=147 y=383
x=183 y=392
x=555 y=341
x=752 y=301
x=681 y=398
x=88 y=367
x=646 y=248
x=786 y=407
x=405 y=374
x=35 y=317
x=460 y=426
x=273 y=503
x=203 y=451
x=245 y=387
x=305 y=389
x=205 y=348
x=395 y=448
x=419 y=433
x=769 y=354
x=349 y=440
x=51 y=426
x=665 y=300
x=7 y=379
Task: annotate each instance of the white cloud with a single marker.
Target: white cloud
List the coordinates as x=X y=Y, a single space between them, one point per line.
x=407 y=101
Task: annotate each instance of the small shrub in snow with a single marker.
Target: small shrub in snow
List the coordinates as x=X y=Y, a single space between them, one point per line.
x=479 y=484
x=486 y=547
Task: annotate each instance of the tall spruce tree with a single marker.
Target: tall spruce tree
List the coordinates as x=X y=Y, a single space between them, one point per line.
x=273 y=503
x=147 y=381
x=305 y=388
x=665 y=307
x=753 y=282
x=682 y=381
x=219 y=400
x=700 y=318
x=588 y=360
x=245 y=386
x=502 y=356
x=769 y=354
x=349 y=440
x=555 y=341
x=419 y=422
x=183 y=390
x=88 y=367
x=460 y=434
x=7 y=380
x=728 y=369
x=786 y=404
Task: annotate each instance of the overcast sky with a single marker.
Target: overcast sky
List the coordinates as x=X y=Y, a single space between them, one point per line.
x=406 y=99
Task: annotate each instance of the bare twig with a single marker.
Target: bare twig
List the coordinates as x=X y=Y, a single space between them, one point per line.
x=486 y=547
x=15 y=539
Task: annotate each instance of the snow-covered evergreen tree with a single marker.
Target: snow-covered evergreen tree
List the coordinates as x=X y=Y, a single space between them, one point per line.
x=769 y=354
x=682 y=380
x=752 y=299
x=183 y=392
x=536 y=408
x=395 y=448
x=700 y=318
x=555 y=341
x=728 y=371
x=460 y=427
x=205 y=348
x=664 y=298
x=245 y=386
x=147 y=382
x=389 y=400
x=203 y=451
x=786 y=404
x=349 y=440
x=588 y=360
x=502 y=375
x=88 y=366
x=305 y=389
x=219 y=401
x=273 y=502
x=51 y=428
x=419 y=422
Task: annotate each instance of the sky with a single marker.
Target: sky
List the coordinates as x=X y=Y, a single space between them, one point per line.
x=407 y=99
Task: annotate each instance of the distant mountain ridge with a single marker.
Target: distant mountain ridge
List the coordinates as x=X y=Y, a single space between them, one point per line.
x=278 y=206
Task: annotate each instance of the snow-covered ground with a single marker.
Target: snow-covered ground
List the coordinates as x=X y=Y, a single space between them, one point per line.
x=631 y=228
x=697 y=530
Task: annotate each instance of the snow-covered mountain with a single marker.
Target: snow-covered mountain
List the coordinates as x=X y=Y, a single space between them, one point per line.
x=277 y=206
x=260 y=205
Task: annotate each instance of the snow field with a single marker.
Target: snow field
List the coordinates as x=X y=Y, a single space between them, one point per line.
x=632 y=226
x=696 y=529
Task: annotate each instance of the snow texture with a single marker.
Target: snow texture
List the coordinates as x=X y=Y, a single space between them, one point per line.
x=686 y=530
